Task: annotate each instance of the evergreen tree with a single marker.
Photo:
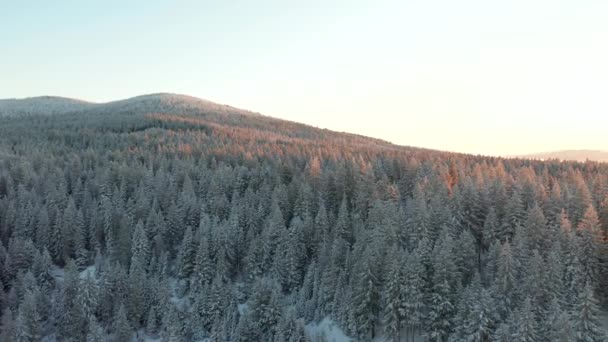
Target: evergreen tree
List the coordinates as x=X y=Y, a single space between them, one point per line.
x=28 y=323
x=513 y=218
x=186 y=254
x=366 y=299
x=264 y=311
x=87 y=297
x=121 y=327
x=140 y=250
x=95 y=333
x=587 y=326
x=590 y=244
x=414 y=301
x=7 y=326
x=291 y=257
x=442 y=301
x=394 y=297
x=526 y=328
x=203 y=264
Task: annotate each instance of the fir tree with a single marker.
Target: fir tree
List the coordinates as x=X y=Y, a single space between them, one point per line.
x=526 y=329
x=587 y=327
x=121 y=327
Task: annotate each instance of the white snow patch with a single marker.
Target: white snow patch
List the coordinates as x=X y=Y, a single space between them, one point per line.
x=328 y=329
x=89 y=271
x=177 y=294
x=242 y=308
x=57 y=273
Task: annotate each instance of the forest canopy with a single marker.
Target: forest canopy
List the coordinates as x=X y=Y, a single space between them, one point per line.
x=164 y=218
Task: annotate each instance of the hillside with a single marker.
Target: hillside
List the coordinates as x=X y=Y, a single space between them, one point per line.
x=152 y=103
x=169 y=217
x=47 y=105
x=574 y=155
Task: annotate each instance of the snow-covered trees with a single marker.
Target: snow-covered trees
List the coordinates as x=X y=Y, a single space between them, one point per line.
x=195 y=226
x=587 y=326
x=525 y=324
x=365 y=298
x=442 y=306
x=395 y=295
x=263 y=312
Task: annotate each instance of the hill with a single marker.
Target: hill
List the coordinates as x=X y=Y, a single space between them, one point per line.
x=169 y=217
x=41 y=105
x=574 y=155
x=152 y=103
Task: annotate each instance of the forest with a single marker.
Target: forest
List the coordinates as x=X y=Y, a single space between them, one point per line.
x=166 y=219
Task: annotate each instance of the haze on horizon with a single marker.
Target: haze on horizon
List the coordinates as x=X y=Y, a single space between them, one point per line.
x=483 y=77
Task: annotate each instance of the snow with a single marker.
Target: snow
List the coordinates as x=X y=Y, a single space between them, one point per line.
x=89 y=271
x=327 y=328
x=57 y=273
x=177 y=294
x=242 y=308
x=146 y=338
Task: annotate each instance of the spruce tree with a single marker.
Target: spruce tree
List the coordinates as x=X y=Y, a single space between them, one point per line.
x=121 y=327
x=526 y=328
x=394 y=297
x=587 y=326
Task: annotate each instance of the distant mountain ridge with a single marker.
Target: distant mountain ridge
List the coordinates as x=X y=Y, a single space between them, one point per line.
x=48 y=105
x=158 y=102
x=573 y=155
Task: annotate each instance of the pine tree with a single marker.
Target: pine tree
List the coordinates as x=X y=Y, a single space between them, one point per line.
x=394 y=297
x=140 y=249
x=414 y=300
x=557 y=325
x=137 y=302
x=555 y=273
x=291 y=257
x=502 y=333
x=506 y=282
x=7 y=326
x=72 y=322
x=526 y=329
x=587 y=327
x=95 y=333
x=87 y=297
x=590 y=244
x=476 y=317
x=121 y=327
x=27 y=324
x=491 y=228
x=344 y=229
x=152 y=322
x=203 y=265
x=536 y=228
x=264 y=311
x=366 y=299
x=186 y=255
x=41 y=268
x=417 y=217
x=442 y=302
x=513 y=218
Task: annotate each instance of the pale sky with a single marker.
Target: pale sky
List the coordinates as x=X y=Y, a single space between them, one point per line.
x=490 y=77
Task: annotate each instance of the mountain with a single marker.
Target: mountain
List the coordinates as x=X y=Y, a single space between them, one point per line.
x=574 y=155
x=42 y=105
x=176 y=219
x=152 y=103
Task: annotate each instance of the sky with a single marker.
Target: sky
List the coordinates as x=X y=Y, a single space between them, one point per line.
x=476 y=76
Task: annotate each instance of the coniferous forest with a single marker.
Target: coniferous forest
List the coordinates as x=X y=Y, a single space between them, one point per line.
x=165 y=218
